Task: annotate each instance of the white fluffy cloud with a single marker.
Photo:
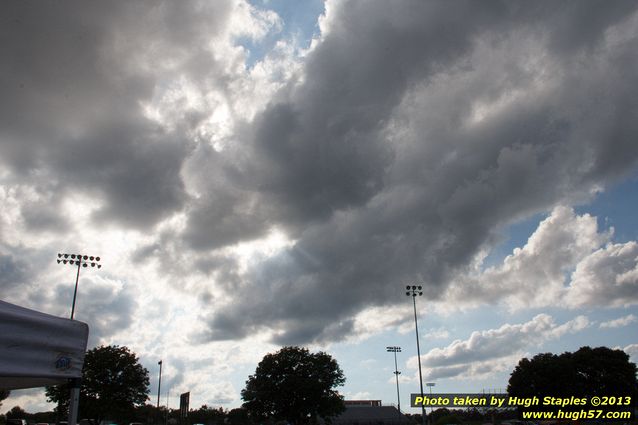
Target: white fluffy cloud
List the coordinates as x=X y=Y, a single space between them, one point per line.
x=607 y=277
x=438 y=333
x=620 y=322
x=567 y=262
x=632 y=350
x=494 y=350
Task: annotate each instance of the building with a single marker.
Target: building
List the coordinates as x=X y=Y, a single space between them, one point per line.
x=369 y=412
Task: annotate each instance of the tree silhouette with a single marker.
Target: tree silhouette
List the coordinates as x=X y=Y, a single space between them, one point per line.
x=238 y=416
x=16 y=412
x=589 y=371
x=113 y=383
x=294 y=385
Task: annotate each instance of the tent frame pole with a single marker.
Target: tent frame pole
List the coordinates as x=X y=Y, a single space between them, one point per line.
x=74 y=401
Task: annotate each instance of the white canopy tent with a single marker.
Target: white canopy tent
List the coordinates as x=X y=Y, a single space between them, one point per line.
x=37 y=349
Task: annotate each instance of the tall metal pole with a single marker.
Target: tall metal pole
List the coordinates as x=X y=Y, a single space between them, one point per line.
x=74 y=401
x=158 y=415
x=79 y=260
x=159 y=385
x=396 y=373
x=168 y=393
x=75 y=291
x=430 y=384
x=414 y=291
x=394 y=350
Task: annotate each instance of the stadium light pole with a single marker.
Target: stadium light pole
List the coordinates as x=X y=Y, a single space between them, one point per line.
x=168 y=394
x=79 y=260
x=396 y=350
x=430 y=384
x=413 y=291
x=159 y=384
x=159 y=390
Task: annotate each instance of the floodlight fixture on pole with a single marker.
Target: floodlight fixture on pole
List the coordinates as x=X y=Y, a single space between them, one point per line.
x=414 y=291
x=396 y=350
x=79 y=260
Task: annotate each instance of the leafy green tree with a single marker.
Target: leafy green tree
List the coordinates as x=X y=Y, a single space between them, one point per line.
x=113 y=383
x=294 y=385
x=589 y=371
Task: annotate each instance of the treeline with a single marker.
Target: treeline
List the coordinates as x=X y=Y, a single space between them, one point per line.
x=146 y=414
x=445 y=416
x=18 y=413
x=149 y=414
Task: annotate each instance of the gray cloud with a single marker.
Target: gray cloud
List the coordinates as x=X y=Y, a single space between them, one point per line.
x=415 y=135
x=13 y=272
x=108 y=306
x=74 y=87
x=410 y=136
x=19 y=276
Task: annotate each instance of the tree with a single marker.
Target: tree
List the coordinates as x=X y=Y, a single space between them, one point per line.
x=294 y=385
x=238 y=416
x=16 y=412
x=113 y=383
x=147 y=413
x=207 y=415
x=589 y=371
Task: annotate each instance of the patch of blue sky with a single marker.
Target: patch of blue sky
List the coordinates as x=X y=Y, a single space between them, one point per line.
x=616 y=207
x=369 y=368
x=300 y=22
x=514 y=236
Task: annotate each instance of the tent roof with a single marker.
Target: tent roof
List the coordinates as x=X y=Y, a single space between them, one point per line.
x=38 y=349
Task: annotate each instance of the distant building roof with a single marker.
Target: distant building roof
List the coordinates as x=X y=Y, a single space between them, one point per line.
x=369 y=415
x=362 y=402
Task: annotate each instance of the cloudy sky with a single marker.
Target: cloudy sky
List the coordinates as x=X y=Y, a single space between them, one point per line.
x=268 y=173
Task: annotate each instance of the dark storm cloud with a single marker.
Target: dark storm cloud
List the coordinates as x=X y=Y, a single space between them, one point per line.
x=324 y=149
x=229 y=210
x=13 y=272
x=135 y=171
x=321 y=148
x=19 y=275
x=43 y=215
x=417 y=133
x=414 y=132
x=107 y=306
x=74 y=79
